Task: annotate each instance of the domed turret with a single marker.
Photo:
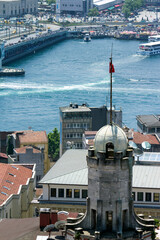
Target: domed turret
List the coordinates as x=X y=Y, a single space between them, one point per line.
x=111 y=136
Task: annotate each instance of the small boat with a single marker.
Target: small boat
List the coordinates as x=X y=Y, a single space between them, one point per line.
x=149 y=49
x=87 y=38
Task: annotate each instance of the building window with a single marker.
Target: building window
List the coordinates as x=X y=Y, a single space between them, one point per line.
x=53 y=192
x=60 y=192
x=84 y=193
x=133 y=195
x=140 y=196
x=68 y=193
x=156 y=197
x=148 y=197
x=76 y=193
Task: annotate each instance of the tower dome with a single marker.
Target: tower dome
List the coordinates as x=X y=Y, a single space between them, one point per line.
x=111 y=136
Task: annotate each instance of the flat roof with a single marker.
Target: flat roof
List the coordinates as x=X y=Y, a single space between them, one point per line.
x=149 y=120
x=75 y=109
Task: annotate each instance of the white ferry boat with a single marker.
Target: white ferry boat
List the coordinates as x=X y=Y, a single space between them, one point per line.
x=154 y=38
x=149 y=49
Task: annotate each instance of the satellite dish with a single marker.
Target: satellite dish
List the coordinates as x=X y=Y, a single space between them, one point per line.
x=146 y=145
x=60 y=224
x=132 y=144
x=137 y=152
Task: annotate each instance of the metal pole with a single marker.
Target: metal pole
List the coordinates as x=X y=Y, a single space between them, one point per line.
x=111 y=90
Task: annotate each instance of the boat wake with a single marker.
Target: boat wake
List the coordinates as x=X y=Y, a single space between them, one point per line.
x=10 y=88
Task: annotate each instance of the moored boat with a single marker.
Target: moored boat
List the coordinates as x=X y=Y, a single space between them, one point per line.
x=87 y=38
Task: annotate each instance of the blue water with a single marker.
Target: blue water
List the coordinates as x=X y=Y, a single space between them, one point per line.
x=74 y=71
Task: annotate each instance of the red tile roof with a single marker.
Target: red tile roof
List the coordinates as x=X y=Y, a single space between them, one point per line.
x=23 y=149
x=140 y=137
x=12 y=177
x=32 y=137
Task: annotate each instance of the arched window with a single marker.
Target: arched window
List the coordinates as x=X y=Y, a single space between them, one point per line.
x=109 y=149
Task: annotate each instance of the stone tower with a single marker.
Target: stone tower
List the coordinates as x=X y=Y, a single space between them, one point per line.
x=110 y=205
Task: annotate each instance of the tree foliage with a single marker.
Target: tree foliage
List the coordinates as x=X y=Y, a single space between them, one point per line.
x=50 y=1
x=9 y=146
x=130 y=6
x=53 y=144
x=93 y=12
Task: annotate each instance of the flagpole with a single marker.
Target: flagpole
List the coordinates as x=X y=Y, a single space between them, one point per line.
x=111 y=90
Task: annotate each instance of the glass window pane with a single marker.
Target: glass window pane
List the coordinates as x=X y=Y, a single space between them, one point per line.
x=140 y=196
x=156 y=197
x=76 y=193
x=148 y=197
x=53 y=192
x=60 y=192
x=84 y=193
x=68 y=193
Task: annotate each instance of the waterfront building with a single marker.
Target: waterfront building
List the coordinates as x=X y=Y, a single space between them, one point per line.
x=17 y=186
x=30 y=155
x=107 y=4
x=14 y=8
x=75 y=119
x=148 y=123
x=73 y=7
x=38 y=139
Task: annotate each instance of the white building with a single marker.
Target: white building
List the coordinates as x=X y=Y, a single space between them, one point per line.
x=65 y=186
x=14 y=8
x=73 y=7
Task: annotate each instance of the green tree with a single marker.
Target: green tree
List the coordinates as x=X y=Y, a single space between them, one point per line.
x=130 y=6
x=53 y=144
x=50 y=1
x=9 y=146
x=93 y=12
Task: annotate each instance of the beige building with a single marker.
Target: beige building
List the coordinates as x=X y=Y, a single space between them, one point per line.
x=38 y=139
x=17 y=186
x=14 y=8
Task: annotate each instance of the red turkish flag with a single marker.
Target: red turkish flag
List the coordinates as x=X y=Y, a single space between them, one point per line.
x=111 y=68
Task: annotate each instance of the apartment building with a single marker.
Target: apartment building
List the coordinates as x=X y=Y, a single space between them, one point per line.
x=76 y=119
x=14 y=8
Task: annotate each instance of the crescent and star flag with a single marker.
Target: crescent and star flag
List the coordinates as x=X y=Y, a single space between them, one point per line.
x=111 y=68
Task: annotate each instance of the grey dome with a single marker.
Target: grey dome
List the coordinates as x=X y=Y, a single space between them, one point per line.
x=111 y=134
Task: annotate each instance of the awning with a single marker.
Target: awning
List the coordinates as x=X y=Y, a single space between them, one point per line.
x=110 y=8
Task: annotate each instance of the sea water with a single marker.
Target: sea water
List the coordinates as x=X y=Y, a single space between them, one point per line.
x=76 y=71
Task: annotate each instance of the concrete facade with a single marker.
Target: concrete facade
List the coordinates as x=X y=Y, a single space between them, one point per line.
x=14 y=8
x=76 y=119
x=73 y=7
